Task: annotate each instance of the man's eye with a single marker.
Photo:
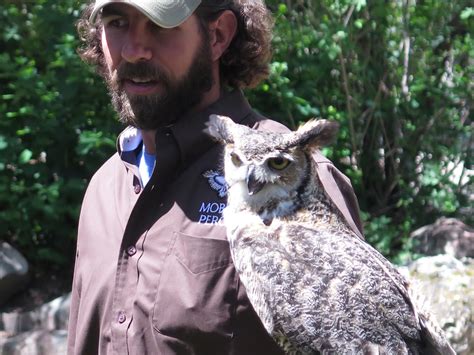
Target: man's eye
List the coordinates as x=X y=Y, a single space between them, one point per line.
x=114 y=22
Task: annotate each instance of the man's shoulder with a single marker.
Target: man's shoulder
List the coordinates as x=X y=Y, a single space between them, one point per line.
x=106 y=170
x=260 y=122
x=266 y=124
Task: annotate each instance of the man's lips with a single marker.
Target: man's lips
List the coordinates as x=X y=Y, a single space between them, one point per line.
x=140 y=86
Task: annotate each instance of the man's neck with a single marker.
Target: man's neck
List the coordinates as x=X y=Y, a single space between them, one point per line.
x=149 y=141
x=209 y=98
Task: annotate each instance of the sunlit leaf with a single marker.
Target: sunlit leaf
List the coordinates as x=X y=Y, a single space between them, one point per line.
x=25 y=156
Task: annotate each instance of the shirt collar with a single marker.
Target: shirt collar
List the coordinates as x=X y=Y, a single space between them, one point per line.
x=129 y=139
x=189 y=131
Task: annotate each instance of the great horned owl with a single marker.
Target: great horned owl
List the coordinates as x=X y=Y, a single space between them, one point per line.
x=307 y=274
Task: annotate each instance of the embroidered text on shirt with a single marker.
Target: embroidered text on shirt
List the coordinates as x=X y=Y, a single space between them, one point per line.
x=211 y=212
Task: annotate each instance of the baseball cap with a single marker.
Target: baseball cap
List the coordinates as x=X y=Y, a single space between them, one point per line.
x=165 y=13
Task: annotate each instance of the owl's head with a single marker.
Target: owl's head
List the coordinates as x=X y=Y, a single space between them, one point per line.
x=266 y=166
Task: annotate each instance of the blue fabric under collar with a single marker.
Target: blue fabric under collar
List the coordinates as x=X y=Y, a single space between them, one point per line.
x=146 y=164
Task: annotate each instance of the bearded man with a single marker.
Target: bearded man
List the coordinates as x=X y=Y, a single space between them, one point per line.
x=153 y=272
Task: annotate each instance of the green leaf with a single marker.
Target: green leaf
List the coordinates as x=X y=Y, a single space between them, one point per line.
x=23 y=132
x=282 y=9
x=359 y=23
x=25 y=156
x=466 y=13
x=11 y=114
x=339 y=35
x=360 y=4
x=333 y=51
x=3 y=143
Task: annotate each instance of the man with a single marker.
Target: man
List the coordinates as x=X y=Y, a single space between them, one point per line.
x=153 y=271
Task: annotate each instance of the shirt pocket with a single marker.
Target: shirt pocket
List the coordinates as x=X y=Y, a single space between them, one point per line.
x=197 y=293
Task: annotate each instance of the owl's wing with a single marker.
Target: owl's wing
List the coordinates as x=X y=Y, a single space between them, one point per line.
x=434 y=340
x=241 y=228
x=258 y=289
x=390 y=271
x=323 y=290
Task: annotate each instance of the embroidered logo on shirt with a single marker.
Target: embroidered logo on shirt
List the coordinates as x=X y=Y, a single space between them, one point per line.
x=217 y=182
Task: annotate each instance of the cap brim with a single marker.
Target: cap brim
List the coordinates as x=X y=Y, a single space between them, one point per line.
x=164 y=13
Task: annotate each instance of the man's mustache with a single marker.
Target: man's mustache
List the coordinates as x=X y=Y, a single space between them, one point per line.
x=137 y=71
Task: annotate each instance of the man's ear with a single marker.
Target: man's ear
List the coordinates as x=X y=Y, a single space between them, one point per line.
x=221 y=33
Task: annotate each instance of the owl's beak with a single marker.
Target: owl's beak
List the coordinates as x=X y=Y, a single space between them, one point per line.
x=253 y=184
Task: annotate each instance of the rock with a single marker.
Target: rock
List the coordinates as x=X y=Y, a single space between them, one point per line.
x=42 y=331
x=445 y=284
x=13 y=272
x=445 y=236
x=50 y=316
x=39 y=342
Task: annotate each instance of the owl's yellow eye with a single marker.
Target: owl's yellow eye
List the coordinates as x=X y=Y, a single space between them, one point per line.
x=278 y=163
x=235 y=159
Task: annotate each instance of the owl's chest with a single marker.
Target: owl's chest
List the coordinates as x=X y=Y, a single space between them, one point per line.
x=291 y=252
x=273 y=249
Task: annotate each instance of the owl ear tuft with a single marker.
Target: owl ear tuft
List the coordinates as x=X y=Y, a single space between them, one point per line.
x=220 y=128
x=315 y=134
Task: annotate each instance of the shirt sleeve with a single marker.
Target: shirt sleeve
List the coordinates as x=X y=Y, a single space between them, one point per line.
x=250 y=337
x=73 y=310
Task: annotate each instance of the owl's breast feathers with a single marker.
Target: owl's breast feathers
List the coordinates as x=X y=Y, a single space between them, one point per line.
x=324 y=289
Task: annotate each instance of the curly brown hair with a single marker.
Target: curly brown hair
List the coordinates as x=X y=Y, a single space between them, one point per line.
x=243 y=65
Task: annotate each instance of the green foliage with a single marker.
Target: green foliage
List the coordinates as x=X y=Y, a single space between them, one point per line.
x=55 y=129
x=397 y=75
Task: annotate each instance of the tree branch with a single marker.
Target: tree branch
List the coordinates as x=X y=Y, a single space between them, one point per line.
x=345 y=85
x=406 y=44
x=349 y=15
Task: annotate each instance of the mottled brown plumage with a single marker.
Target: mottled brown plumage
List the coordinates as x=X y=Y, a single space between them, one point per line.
x=308 y=276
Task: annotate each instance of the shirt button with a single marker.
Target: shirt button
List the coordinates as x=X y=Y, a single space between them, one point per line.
x=131 y=251
x=121 y=317
x=137 y=188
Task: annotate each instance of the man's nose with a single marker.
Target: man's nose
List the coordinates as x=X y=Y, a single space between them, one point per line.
x=137 y=46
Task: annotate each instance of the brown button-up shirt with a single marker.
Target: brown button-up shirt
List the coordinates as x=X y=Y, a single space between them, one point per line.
x=153 y=271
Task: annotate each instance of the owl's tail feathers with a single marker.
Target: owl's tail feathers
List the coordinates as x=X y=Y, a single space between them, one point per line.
x=434 y=341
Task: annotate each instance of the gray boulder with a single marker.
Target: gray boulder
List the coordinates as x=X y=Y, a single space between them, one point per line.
x=50 y=316
x=38 y=342
x=13 y=272
x=445 y=236
x=446 y=288
x=42 y=331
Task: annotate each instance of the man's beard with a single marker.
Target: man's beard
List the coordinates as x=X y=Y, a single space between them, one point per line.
x=179 y=96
